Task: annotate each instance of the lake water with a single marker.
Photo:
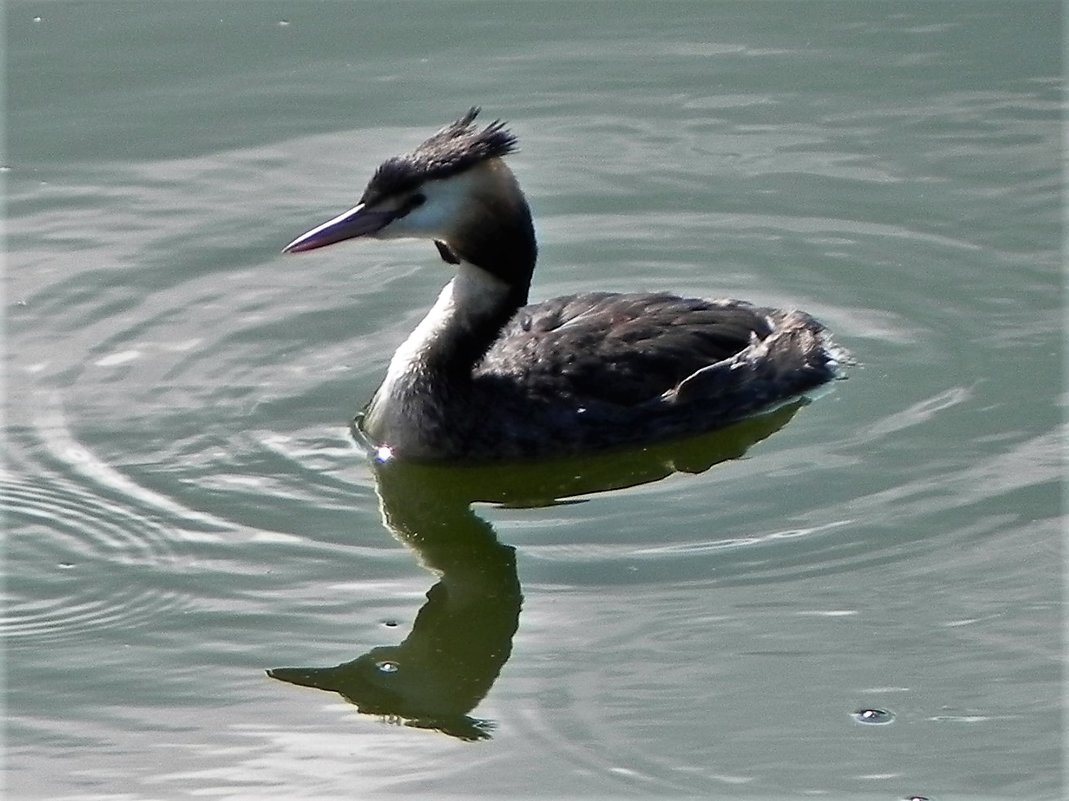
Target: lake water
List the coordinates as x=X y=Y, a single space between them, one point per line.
x=186 y=510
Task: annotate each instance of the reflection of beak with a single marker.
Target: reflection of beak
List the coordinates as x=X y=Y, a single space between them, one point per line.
x=357 y=221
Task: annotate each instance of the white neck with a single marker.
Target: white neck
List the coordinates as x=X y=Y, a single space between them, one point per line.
x=472 y=297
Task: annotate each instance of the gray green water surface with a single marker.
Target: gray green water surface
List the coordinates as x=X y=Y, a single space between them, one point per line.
x=185 y=509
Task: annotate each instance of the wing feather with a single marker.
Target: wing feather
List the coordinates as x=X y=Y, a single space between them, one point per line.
x=620 y=349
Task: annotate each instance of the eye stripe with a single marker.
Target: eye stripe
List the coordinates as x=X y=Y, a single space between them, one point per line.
x=412 y=202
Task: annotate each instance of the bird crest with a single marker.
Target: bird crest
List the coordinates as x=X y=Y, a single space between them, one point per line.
x=452 y=150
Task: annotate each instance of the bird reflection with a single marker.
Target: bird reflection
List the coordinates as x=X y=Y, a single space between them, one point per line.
x=462 y=636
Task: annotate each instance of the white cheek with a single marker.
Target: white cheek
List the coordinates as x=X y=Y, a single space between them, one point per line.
x=429 y=220
x=439 y=213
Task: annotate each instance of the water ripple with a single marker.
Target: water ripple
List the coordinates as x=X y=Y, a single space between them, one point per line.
x=96 y=550
x=104 y=559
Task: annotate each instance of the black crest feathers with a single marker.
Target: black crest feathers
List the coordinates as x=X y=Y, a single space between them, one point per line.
x=453 y=149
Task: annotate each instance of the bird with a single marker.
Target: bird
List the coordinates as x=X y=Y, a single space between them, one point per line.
x=487 y=377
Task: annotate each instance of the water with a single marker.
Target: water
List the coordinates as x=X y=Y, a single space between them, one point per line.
x=186 y=509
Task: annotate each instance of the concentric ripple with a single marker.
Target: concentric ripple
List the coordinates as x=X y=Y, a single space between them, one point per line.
x=98 y=559
x=93 y=541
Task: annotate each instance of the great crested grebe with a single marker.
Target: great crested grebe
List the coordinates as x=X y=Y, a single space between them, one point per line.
x=485 y=377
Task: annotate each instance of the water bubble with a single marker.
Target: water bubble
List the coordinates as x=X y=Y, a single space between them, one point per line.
x=874 y=717
x=386 y=666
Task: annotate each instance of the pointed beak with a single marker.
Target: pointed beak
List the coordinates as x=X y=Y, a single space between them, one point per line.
x=357 y=221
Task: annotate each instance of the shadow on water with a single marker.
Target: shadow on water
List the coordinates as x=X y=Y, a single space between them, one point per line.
x=462 y=636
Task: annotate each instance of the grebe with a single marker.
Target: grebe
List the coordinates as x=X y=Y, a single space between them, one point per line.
x=485 y=377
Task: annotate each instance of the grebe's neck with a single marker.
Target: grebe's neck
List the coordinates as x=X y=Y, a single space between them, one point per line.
x=429 y=378
x=460 y=327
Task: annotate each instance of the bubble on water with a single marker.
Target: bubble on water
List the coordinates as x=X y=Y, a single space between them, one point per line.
x=874 y=717
x=386 y=666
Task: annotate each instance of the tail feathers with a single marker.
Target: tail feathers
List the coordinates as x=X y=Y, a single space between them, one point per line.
x=796 y=357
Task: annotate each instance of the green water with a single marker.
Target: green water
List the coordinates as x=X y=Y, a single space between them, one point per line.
x=185 y=509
